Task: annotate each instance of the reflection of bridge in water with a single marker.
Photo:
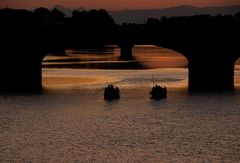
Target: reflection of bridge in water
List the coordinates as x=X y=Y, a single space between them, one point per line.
x=211 y=52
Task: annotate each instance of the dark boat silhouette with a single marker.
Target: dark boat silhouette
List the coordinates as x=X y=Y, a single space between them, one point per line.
x=111 y=92
x=158 y=92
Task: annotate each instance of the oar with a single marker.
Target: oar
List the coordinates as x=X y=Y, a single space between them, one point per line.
x=152 y=80
x=98 y=92
x=119 y=81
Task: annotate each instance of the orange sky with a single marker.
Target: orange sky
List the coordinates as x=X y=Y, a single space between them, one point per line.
x=114 y=4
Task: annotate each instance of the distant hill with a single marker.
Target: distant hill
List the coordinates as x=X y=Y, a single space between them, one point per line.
x=67 y=11
x=140 y=16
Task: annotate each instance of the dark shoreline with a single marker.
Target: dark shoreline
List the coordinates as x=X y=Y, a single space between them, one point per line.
x=108 y=65
x=115 y=64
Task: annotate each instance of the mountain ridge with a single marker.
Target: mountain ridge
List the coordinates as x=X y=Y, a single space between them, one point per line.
x=67 y=11
x=141 y=15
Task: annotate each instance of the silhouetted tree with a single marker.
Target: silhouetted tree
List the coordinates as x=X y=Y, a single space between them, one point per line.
x=58 y=15
x=43 y=17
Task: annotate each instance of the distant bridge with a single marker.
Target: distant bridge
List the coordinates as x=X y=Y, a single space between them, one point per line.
x=211 y=51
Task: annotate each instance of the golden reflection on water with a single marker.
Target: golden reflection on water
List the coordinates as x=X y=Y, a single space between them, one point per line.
x=148 y=56
x=47 y=81
x=99 y=78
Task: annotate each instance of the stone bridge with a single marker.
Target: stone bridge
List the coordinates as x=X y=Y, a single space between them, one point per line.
x=211 y=52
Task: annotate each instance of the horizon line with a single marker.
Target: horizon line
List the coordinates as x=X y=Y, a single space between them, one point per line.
x=119 y=10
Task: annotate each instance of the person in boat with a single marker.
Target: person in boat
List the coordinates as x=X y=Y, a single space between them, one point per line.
x=158 y=92
x=111 y=92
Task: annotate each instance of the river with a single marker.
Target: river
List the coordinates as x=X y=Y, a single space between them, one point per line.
x=68 y=122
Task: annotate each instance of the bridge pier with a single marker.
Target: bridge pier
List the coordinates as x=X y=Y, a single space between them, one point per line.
x=20 y=69
x=211 y=74
x=126 y=51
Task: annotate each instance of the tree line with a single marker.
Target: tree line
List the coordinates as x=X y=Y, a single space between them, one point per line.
x=98 y=27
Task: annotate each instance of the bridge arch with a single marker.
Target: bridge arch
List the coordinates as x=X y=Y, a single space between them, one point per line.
x=145 y=56
x=154 y=56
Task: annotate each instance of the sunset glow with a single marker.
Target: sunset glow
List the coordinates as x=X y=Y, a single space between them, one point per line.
x=114 y=4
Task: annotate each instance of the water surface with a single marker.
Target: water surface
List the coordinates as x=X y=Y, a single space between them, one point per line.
x=68 y=123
